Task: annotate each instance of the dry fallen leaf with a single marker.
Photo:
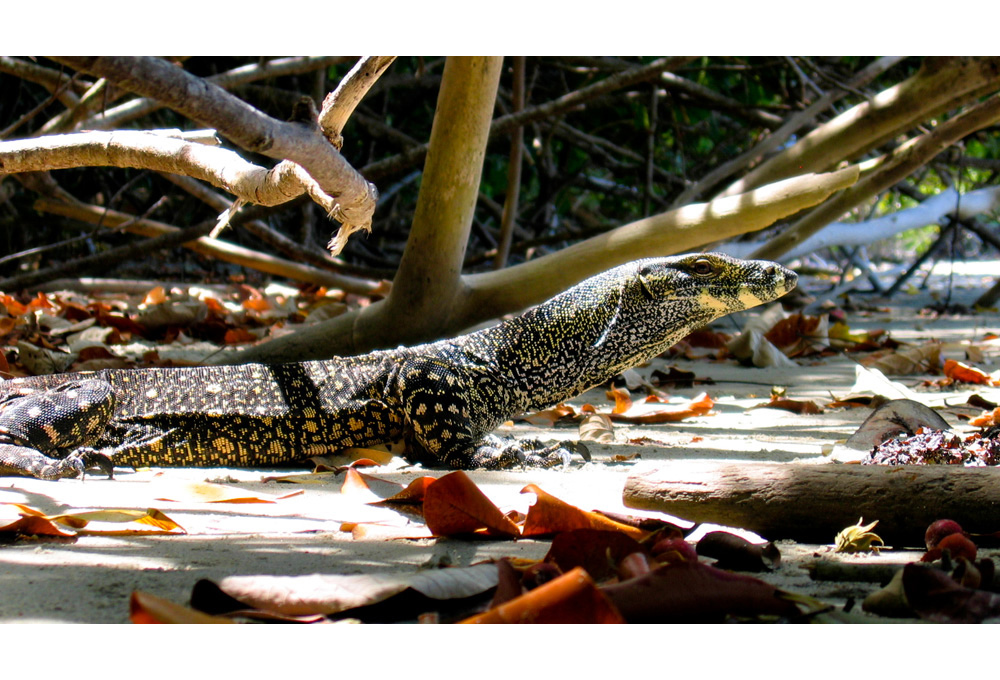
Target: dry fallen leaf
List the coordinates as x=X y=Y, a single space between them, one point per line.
x=858 y=538
x=148 y=608
x=454 y=505
x=570 y=598
x=550 y=515
x=206 y=492
x=597 y=427
x=335 y=593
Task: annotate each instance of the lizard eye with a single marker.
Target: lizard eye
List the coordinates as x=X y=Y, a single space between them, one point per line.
x=702 y=267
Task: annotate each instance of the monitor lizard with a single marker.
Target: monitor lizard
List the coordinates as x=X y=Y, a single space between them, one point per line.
x=443 y=399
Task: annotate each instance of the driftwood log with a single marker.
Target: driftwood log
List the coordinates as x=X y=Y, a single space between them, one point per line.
x=813 y=502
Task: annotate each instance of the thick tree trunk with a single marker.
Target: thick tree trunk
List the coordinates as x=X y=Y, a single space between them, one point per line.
x=813 y=502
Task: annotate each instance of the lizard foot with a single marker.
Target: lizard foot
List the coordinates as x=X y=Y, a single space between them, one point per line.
x=496 y=453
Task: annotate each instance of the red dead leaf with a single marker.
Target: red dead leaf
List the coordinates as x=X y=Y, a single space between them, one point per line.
x=549 y=515
x=571 y=598
x=794 y=334
x=695 y=592
x=454 y=505
x=710 y=339
x=597 y=552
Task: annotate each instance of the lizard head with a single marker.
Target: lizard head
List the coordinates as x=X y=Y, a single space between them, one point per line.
x=663 y=299
x=715 y=283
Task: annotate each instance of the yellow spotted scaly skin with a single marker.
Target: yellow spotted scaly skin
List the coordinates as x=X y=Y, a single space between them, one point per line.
x=443 y=399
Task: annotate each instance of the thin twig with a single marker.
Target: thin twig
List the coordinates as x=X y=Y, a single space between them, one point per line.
x=513 y=169
x=406 y=160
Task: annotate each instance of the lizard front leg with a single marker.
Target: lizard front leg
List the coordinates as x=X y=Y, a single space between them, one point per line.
x=48 y=434
x=444 y=426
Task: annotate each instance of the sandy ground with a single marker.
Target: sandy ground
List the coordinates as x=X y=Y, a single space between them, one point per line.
x=90 y=579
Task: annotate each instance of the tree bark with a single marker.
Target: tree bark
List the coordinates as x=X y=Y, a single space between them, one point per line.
x=813 y=502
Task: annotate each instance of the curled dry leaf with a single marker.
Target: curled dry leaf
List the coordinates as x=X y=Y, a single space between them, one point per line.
x=858 y=538
x=148 y=608
x=550 y=515
x=454 y=505
x=571 y=598
x=643 y=413
x=924 y=359
x=960 y=372
x=597 y=551
x=798 y=334
x=206 y=492
x=737 y=553
x=935 y=596
x=597 y=427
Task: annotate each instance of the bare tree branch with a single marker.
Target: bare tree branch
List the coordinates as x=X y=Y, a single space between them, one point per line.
x=340 y=104
x=884 y=173
x=249 y=73
x=352 y=197
x=221 y=250
x=505 y=124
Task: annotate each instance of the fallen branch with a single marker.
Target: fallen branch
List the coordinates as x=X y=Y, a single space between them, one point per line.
x=812 y=503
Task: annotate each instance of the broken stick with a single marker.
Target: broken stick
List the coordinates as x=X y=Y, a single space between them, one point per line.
x=812 y=502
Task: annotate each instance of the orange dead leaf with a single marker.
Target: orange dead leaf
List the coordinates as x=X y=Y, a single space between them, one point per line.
x=206 y=492
x=155 y=296
x=453 y=504
x=21 y=519
x=238 y=336
x=956 y=370
x=987 y=419
x=621 y=397
x=570 y=598
x=214 y=306
x=550 y=515
x=257 y=304
x=641 y=413
x=148 y=608
x=549 y=416
x=414 y=492
x=793 y=405
x=354 y=483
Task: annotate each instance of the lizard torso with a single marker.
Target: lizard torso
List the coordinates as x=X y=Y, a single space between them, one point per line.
x=442 y=398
